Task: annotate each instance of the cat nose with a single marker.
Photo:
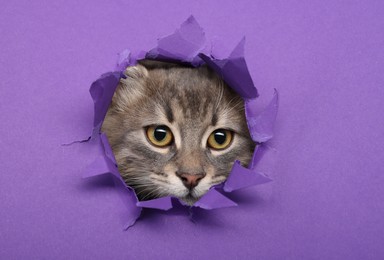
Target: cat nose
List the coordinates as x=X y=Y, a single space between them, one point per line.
x=190 y=180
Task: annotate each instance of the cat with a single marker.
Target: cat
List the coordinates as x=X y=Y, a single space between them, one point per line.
x=176 y=130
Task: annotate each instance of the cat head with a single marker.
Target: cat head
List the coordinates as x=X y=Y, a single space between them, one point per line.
x=175 y=130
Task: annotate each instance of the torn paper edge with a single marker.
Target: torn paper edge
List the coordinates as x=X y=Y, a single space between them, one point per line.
x=234 y=71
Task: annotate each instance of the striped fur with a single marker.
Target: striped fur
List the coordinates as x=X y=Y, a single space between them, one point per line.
x=192 y=102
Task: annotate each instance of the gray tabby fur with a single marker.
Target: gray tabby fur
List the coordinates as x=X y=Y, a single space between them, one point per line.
x=192 y=102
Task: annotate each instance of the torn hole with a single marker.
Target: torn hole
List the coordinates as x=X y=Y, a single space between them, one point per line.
x=187 y=46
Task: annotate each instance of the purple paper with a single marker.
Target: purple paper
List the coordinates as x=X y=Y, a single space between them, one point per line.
x=185 y=46
x=102 y=92
x=214 y=200
x=182 y=46
x=326 y=59
x=164 y=203
x=234 y=71
x=241 y=177
x=261 y=125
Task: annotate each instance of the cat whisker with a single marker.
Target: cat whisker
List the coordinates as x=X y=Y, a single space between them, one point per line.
x=159 y=180
x=156 y=193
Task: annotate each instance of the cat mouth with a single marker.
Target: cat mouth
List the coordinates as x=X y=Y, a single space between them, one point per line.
x=190 y=198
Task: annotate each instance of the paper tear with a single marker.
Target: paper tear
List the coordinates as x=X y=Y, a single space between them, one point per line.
x=260 y=150
x=124 y=60
x=186 y=45
x=242 y=177
x=183 y=45
x=261 y=125
x=127 y=58
x=102 y=91
x=214 y=200
x=234 y=71
x=164 y=203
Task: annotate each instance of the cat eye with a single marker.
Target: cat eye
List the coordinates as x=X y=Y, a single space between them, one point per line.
x=159 y=135
x=220 y=139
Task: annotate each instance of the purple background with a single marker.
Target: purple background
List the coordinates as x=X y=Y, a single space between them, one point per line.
x=326 y=58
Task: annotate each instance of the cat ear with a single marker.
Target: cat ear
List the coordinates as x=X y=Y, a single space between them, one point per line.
x=131 y=88
x=135 y=72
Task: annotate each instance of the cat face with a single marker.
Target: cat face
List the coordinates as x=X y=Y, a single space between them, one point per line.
x=175 y=130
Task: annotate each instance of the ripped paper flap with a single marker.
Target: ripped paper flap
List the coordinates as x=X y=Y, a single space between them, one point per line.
x=102 y=91
x=183 y=45
x=234 y=71
x=261 y=125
